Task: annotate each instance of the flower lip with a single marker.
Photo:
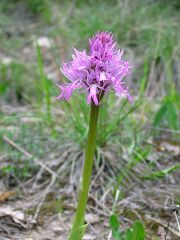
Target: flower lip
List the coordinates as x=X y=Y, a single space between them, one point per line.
x=102 y=76
x=93 y=94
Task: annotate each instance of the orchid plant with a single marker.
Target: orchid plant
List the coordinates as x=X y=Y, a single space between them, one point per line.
x=95 y=73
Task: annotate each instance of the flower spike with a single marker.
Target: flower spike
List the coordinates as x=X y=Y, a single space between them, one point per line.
x=98 y=72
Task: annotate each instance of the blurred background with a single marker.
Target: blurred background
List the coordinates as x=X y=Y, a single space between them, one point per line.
x=137 y=164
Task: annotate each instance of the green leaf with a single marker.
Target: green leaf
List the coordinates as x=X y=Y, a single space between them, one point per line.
x=160 y=114
x=3 y=87
x=114 y=223
x=144 y=79
x=129 y=234
x=161 y=173
x=172 y=115
x=167 y=112
x=78 y=233
x=117 y=235
x=138 y=231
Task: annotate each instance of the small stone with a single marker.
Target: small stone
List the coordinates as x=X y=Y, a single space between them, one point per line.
x=88 y=237
x=44 y=42
x=92 y=218
x=7 y=60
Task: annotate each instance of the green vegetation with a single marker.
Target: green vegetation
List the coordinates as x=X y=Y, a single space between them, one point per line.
x=136 y=233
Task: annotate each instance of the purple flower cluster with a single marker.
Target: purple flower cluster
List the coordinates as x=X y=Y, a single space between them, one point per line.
x=98 y=72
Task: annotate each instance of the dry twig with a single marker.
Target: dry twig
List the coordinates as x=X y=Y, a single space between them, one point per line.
x=53 y=179
x=28 y=155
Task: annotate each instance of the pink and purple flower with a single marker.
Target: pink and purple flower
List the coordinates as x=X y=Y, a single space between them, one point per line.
x=98 y=72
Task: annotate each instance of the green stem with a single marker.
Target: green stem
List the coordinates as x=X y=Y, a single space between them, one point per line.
x=78 y=227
